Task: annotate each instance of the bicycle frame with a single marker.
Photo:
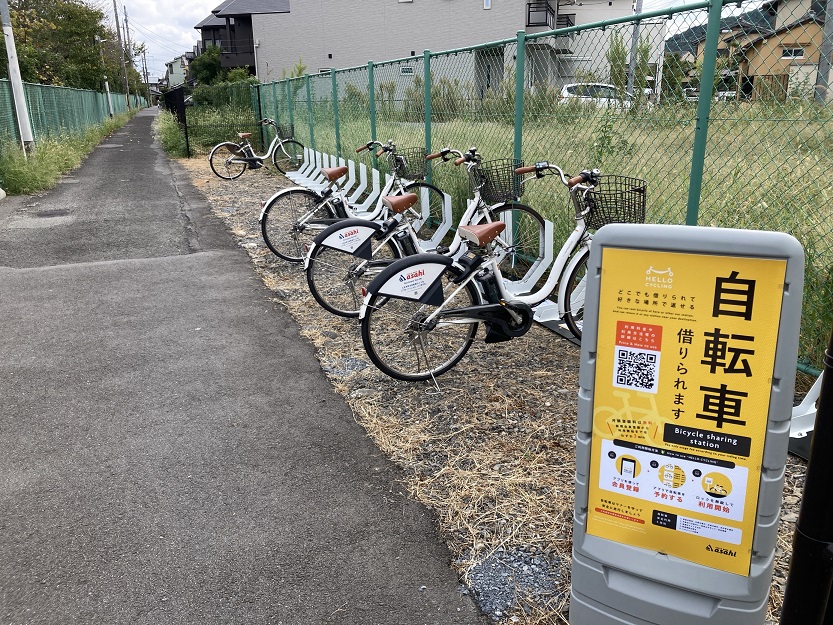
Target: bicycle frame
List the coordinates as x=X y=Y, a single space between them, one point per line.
x=571 y=253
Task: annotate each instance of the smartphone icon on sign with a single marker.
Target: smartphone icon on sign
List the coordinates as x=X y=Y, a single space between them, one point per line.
x=628 y=467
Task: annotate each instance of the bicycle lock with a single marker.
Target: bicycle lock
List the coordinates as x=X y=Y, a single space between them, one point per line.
x=807 y=594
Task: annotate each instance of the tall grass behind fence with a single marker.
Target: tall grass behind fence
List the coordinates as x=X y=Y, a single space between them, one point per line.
x=724 y=111
x=58 y=111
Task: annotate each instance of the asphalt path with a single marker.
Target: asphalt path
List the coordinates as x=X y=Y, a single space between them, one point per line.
x=170 y=451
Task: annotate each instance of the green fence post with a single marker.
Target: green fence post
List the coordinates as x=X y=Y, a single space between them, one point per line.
x=309 y=114
x=335 y=113
x=371 y=86
x=289 y=103
x=701 y=130
x=426 y=79
x=275 y=97
x=520 y=64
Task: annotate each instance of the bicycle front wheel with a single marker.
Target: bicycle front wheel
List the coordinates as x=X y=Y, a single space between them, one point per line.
x=404 y=345
x=288 y=223
x=525 y=237
x=224 y=160
x=288 y=156
x=574 y=295
x=430 y=206
x=336 y=278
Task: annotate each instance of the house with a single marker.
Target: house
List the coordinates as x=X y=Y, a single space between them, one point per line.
x=784 y=62
x=735 y=32
x=334 y=34
x=176 y=72
x=230 y=28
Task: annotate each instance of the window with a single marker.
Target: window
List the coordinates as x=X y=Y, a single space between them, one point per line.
x=792 y=53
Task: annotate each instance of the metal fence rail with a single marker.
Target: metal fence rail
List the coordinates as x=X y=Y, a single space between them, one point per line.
x=724 y=111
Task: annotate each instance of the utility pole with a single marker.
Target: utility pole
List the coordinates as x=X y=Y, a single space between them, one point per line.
x=121 y=54
x=22 y=111
x=634 y=49
x=127 y=36
x=104 y=67
x=145 y=73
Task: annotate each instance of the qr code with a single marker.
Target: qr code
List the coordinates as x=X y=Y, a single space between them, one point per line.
x=636 y=369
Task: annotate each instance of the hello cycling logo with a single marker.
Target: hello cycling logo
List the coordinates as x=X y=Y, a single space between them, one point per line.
x=659 y=278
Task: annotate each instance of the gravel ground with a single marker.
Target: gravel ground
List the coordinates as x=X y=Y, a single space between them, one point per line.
x=492 y=452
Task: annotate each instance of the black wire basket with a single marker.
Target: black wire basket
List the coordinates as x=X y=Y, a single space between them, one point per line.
x=497 y=180
x=409 y=163
x=616 y=200
x=286 y=131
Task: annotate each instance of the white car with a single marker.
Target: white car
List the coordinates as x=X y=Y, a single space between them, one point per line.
x=596 y=93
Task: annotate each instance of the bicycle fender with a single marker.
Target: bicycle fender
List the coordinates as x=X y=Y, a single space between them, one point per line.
x=562 y=287
x=354 y=236
x=415 y=278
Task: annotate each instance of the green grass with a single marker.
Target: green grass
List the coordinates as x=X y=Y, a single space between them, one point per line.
x=52 y=158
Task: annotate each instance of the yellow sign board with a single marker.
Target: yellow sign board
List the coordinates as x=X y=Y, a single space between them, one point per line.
x=681 y=401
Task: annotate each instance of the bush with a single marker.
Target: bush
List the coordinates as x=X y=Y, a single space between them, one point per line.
x=52 y=158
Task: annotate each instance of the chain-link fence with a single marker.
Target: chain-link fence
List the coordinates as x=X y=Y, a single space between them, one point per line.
x=58 y=111
x=724 y=111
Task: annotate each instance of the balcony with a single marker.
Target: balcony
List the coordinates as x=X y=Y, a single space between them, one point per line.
x=540 y=14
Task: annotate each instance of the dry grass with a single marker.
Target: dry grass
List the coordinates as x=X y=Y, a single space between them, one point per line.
x=492 y=452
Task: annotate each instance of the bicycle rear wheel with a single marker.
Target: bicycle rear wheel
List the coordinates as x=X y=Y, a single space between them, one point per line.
x=336 y=278
x=288 y=222
x=525 y=234
x=288 y=156
x=223 y=160
x=404 y=346
x=574 y=295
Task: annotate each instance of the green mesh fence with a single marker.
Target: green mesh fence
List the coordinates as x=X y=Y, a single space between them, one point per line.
x=730 y=125
x=59 y=111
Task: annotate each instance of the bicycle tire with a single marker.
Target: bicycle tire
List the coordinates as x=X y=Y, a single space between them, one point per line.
x=292 y=159
x=336 y=278
x=389 y=337
x=220 y=159
x=431 y=196
x=288 y=222
x=575 y=294
x=527 y=240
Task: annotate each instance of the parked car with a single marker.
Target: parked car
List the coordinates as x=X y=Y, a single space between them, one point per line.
x=596 y=93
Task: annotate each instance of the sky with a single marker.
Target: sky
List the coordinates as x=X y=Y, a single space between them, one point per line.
x=166 y=27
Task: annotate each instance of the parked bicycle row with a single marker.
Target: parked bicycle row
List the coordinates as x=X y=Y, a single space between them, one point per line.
x=420 y=285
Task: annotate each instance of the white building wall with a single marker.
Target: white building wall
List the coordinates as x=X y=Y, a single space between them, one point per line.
x=337 y=34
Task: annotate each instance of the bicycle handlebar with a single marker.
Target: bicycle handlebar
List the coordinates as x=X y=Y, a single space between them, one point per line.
x=591 y=176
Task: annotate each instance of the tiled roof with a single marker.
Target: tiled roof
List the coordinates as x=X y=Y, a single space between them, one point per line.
x=233 y=8
x=211 y=21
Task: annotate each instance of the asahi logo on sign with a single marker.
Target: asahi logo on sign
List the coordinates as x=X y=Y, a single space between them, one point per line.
x=722 y=551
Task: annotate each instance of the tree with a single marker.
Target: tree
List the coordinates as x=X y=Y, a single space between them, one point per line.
x=206 y=68
x=617 y=56
x=56 y=42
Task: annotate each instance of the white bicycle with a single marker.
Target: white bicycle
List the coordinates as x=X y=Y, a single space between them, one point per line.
x=421 y=314
x=292 y=218
x=229 y=160
x=345 y=257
